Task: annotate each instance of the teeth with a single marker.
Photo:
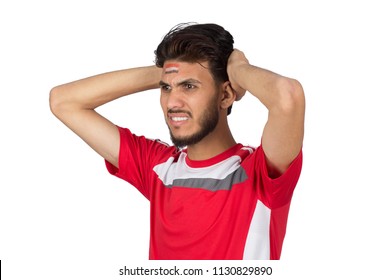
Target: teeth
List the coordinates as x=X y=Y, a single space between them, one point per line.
x=179 y=119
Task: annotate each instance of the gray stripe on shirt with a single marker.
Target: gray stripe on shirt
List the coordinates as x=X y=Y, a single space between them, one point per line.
x=212 y=184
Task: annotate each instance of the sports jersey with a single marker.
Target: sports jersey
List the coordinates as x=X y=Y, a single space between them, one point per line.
x=225 y=207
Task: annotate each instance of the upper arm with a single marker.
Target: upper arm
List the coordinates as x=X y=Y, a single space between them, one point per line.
x=283 y=133
x=98 y=132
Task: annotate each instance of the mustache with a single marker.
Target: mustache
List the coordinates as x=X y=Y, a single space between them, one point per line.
x=178 y=111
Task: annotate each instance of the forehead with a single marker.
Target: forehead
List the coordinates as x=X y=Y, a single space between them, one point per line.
x=173 y=68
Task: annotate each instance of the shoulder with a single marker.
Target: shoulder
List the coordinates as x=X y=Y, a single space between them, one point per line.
x=142 y=145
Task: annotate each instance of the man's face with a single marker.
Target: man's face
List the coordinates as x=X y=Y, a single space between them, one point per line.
x=189 y=100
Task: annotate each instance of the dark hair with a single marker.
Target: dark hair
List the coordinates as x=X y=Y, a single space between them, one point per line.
x=196 y=43
x=192 y=42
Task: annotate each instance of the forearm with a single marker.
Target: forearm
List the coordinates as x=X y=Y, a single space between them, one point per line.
x=272 y=89
x=284 y=98
x=74 y=105
x=90 y=93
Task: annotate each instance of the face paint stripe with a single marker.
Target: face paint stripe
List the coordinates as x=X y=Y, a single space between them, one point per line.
x=171 y=71
x=172 y=65
x=171 y=68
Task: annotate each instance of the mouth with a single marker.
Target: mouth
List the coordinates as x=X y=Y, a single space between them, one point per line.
x=177 y=119
x=177 y=122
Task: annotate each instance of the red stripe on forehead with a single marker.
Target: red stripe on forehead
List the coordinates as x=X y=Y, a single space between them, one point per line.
x=171 y=68
x=171 y=65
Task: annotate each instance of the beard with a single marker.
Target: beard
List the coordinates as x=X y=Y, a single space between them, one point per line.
x=207 y=123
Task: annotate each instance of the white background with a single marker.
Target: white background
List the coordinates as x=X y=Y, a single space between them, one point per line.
x=62 y=216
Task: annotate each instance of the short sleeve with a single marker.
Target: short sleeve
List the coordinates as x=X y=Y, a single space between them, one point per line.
x=274 y=192
x=137 y=156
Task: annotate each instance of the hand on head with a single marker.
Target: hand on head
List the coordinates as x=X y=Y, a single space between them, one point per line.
x=236 y=59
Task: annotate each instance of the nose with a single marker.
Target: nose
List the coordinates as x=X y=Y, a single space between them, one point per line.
x=174 y=99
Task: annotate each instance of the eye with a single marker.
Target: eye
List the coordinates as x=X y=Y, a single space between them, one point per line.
x=189 y=86
x=165 y=88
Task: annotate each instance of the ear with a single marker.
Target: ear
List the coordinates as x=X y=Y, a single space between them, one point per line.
x=228 y=95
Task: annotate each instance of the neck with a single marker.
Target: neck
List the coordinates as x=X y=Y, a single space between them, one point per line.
x=213 y=144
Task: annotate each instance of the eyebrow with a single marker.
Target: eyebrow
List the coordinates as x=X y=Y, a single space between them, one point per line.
x=162 y=84
x=186 y=81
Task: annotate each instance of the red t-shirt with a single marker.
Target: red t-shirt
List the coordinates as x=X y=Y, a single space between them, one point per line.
x=226 y=207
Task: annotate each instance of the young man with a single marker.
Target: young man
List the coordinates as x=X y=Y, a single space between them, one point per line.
x=210 y=198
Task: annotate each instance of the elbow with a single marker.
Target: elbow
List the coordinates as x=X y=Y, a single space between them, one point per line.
x=291 y=96
x=53 y=100
x=56 y=100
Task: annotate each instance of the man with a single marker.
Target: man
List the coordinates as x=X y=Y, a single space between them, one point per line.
x=210 y=198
